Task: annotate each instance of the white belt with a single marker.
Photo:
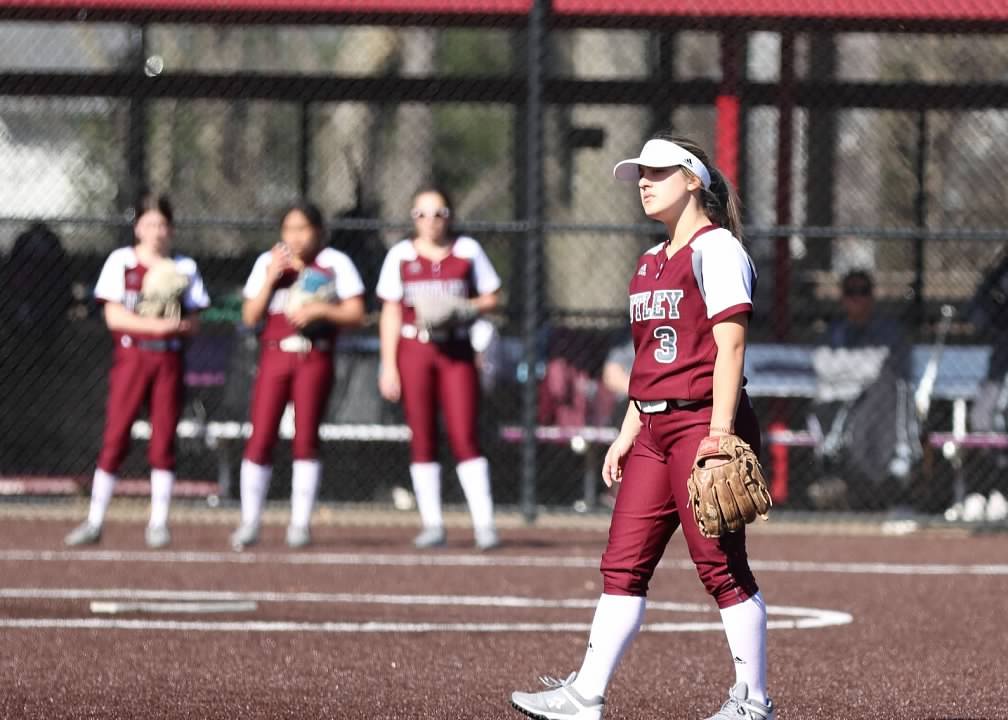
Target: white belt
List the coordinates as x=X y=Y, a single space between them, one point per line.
x=412 y=332
x=650 y=407
x=301 y=344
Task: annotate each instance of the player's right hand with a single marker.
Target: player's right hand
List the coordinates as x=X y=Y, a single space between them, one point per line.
x=612 y=467
x=280 y=260
x=389 y=384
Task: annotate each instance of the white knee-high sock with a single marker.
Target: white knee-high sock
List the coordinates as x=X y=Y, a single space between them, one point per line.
x=617 y=620
x=427 y=488
x=254 y=481
x=102 y=488
x=745 y=627
x=305 y=476
x=161 y=482
x=474 y=476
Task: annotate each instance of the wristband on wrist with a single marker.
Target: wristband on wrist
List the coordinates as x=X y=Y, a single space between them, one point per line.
x=721 y=428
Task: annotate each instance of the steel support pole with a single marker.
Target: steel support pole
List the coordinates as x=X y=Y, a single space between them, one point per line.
x=534 y=211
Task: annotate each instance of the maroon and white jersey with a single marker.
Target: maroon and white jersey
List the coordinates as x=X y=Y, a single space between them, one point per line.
x=466 y=272
x=122 y=277
x=345 y=281
x=675 y=303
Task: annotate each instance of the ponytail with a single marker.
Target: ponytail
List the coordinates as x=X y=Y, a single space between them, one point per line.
x=720 y=201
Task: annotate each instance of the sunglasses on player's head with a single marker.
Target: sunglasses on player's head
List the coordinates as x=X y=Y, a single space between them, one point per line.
x=443 y=213
x=857 y=291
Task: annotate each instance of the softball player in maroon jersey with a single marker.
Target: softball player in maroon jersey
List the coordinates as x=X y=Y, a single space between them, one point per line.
x=147 y=367
x=295 y=364
x=690 y=303
x=427 y=370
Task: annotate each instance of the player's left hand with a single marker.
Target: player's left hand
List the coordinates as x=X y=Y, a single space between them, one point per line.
x=306 y=314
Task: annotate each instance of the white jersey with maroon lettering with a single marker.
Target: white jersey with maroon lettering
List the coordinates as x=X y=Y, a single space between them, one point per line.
x=466 y=272
x=122 y=275
x=675 y=303
x=346 y=282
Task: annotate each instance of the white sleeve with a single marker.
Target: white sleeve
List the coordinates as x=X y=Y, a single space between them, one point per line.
x=348 y=280
x=257 y=278
x=484 y=276
x=725 y=275
x=111 y=285
x=390 y=286
x=196 y=296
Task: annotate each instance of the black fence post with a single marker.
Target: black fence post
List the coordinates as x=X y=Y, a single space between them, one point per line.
x=534 y=208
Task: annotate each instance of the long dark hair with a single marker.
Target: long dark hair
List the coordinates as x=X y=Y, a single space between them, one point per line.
x=721 y=201
x=147 y=201
x=312 y=213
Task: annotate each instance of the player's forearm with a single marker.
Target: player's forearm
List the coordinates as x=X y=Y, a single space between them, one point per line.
x=631 y=422
x=349 y=312
x=486 y=303
x=119 y=319
x=254 y=308
x=730 y=340
x=389 y=330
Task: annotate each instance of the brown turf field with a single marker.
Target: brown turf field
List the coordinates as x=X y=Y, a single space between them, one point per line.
x=864 y=625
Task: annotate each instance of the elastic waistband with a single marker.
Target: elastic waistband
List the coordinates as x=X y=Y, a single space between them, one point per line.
x=412 y=332
x=163 y=345
x=656 y=407
x=299 y=344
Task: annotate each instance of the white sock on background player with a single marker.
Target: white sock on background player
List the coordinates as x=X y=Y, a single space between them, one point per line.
x=617 y=620
x=102 y=488
x=305 y=475
x=474 y=476
x=254 y=481
x=161 y=482
x=745 y=627
x=427 y=489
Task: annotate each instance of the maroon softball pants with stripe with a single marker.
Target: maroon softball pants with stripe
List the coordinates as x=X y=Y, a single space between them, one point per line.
x=444 y=375
x=140 y=376
x=652 y=505
x=302 y=378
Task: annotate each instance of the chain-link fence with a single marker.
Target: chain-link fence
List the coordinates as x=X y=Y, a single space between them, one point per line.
x=854 y=148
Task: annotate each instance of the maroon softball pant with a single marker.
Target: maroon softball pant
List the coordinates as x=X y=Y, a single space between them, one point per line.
x=441 y=375
x=652 y=505
x=282 y=377
x=140 y=376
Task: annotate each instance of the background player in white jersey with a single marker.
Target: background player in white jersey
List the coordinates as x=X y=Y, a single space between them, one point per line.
x=302 y=293
x=433 y=286
x=147 y=367
x=690 y=303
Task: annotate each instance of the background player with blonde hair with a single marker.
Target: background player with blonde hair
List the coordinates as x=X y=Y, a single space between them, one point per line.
x=148 y=327
x=433 y=286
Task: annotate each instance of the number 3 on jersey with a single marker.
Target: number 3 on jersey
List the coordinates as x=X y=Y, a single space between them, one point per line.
x=666 y=337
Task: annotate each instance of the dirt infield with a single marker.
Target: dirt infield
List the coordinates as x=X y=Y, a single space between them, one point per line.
x=863 y=625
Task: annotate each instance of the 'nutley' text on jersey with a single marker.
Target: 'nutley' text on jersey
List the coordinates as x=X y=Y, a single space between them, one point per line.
x=655 y=305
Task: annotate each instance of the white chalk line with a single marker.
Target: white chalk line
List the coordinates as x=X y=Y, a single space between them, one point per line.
x=792 y=617
x=471 y=560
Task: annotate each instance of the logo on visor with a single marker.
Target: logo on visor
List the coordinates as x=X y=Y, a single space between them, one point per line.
x=688 y=161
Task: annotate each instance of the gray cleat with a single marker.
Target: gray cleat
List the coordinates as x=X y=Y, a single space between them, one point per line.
x=244 y=536
x=486 y=539
x=430 y=537
x=740 y=707
x=560 y=702
x=298 y=536
x=83 y=534
x=157 y=536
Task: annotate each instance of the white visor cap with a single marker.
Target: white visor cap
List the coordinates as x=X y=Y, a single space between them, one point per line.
x=662 y=154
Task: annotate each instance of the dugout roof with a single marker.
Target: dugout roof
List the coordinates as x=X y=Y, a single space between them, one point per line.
x=894 y=14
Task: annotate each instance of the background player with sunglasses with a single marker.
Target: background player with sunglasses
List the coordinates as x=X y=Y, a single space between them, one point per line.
x=433 y=286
